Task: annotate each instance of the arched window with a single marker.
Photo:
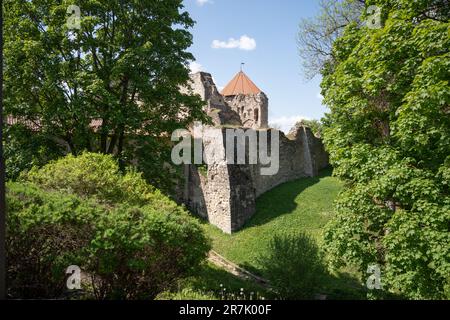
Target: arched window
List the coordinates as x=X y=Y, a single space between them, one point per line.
x=256 y=115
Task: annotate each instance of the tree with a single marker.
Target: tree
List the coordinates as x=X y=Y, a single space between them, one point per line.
x=317 y=35
x=130 y=240
x=25 y=149
x=315 y=125
x=98 y=87
x=388 y=135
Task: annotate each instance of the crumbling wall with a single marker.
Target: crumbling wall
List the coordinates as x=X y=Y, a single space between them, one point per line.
x=209 y=195
x=225 y=194
x=253 y=109
x=220 y=192
x=321 y=157
x=295 y=162
x=216 y=107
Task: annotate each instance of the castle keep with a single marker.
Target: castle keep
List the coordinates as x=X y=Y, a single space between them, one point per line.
x=246 y=99
x=225 y=194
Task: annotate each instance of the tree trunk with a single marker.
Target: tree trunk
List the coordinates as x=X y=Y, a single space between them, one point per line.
x=112 y=144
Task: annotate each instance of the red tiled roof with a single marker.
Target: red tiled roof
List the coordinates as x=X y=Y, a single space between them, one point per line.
x=241 y=84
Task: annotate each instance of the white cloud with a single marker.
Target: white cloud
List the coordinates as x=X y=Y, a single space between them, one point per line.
x=243 y=43
x=219 y=87
x=285 y=124
x=201 y=3
x=195 y=67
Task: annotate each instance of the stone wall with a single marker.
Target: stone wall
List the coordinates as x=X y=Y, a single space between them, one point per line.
x=253 y=109
x=296 y=161
x=226 y=194
x=216 y=107
x=221 y=193
x=209 y=196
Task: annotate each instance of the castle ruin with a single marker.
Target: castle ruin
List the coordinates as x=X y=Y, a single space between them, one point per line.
x=225 y=194
x=246 y=99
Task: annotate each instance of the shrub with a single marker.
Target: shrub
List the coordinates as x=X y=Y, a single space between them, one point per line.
x=46 y=233
x=97 y=175
x=293 y=265
x=187 y=294
x=137 y=248
x=141 y=252
x=25 y=149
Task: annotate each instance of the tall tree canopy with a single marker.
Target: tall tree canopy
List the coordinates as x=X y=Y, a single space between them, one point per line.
x=115 y=78
x=388 y=134
x=317 y=35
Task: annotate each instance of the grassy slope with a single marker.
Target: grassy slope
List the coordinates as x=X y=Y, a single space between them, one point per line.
x=302 y=205
x=209 y=282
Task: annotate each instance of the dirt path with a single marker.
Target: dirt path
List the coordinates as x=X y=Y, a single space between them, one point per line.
x=234 y=269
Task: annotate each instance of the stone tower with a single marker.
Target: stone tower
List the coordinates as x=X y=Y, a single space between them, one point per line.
x=226 y=194
x=245 y=98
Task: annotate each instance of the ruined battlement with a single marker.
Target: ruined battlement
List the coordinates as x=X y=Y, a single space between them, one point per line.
x=225 y=194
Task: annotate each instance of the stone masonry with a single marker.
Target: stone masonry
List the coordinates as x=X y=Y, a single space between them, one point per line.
x=226 y=194
x=252 y=109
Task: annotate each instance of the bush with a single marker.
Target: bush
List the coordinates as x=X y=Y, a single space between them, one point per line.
x=140 y=252
x=97 y=175
x=135 y=249
x=46 y=233
x=293 y=265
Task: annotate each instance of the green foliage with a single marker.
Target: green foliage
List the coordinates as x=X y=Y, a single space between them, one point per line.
x=203 y=170
x=152 y=157
x=305 y=206
x=46 y=233
x=214 y=283
x=294 y=266
x=23 y=150
x=315 y=125
x=123 y=68
x=187 y=294
x=139 y=252
x=388 y=135
x=97 y=175
x=131 y=241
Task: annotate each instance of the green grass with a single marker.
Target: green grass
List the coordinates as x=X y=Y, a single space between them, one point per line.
x=302 y=205
x=305 y=205
x=208 y=284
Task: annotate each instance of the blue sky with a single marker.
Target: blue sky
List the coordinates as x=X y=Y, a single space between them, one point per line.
x=264 y=37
